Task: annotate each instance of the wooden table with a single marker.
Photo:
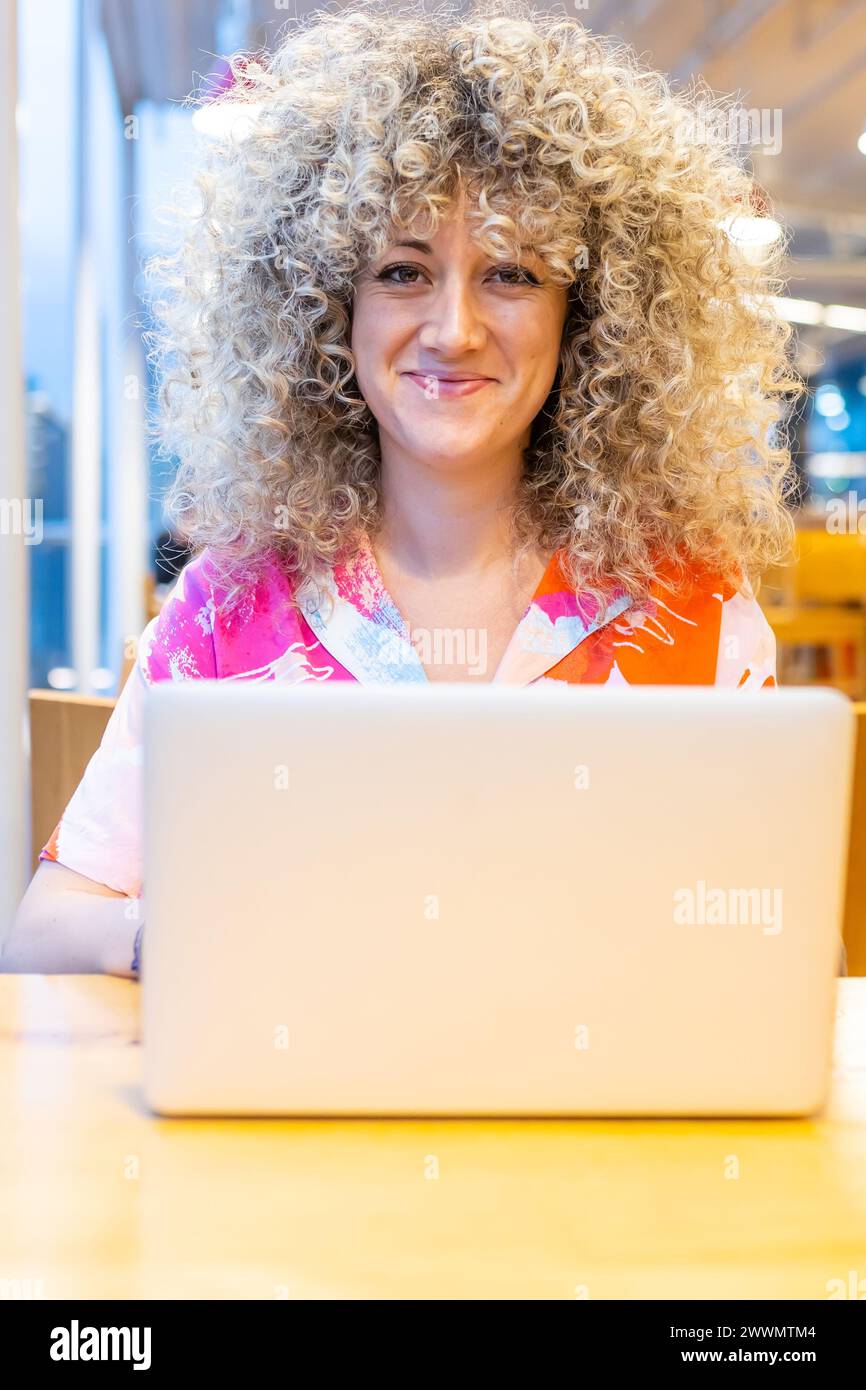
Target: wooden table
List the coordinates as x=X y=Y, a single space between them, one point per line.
x=100 y=1199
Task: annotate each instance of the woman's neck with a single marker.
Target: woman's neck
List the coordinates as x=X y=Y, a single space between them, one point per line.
x=438 y=526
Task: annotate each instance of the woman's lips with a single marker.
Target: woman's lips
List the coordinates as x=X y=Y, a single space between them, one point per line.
x=434 y=387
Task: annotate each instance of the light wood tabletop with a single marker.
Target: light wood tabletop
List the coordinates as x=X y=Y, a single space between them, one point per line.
x=100 y=1199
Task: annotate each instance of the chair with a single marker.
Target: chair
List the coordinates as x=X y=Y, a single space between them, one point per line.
x=153 y=601
x=855 y=893
x=819 y=603
x=839 y=631
x=826 y=568
x=831 y=568
x=65 y=730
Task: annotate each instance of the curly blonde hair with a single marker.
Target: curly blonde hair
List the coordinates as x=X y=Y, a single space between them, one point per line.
x=661 y=444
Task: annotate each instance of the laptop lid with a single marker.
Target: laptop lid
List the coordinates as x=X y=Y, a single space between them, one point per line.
x=455 y=899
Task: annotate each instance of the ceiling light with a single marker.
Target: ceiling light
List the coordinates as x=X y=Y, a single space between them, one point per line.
x=848 y=317
x=845 y=316
x=798 y=310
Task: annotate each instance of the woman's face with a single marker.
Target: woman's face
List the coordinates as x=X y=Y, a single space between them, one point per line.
x=426 y=311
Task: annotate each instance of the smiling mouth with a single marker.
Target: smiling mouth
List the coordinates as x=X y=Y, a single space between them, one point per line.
x=447 y=376
x=436 y=387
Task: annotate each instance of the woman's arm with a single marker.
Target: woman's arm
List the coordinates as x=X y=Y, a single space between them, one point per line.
x=69 y=920
x=69 y=924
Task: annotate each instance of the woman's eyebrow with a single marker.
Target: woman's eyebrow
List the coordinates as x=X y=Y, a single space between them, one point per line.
x=421 y=246
x=427 y=250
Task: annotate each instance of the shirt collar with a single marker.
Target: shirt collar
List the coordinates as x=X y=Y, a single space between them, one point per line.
x=357 y=621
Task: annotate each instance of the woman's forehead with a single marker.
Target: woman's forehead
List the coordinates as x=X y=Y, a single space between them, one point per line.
x=464 y=226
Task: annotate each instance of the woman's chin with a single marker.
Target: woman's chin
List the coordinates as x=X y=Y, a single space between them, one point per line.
x=445 y=457
x=449 y=439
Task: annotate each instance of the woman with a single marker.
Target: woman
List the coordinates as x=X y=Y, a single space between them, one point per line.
x=467 y=381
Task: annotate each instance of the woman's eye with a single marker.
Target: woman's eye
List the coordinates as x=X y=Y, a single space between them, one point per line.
x=391 y=269
x=391 y=273
x=526 y=276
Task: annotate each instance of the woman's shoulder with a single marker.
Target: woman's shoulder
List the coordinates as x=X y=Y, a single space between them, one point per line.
x=215 y=613
x=696 y=626
x=715 y=630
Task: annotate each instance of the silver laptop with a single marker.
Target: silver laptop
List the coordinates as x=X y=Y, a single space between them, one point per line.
x=460 y=900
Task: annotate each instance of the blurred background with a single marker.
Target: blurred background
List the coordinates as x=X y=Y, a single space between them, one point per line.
x=99 y=126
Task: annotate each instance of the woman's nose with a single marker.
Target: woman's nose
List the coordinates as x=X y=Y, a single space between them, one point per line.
x=453 y=322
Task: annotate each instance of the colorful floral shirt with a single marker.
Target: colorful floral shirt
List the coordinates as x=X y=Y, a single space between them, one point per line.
x=350 y=629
